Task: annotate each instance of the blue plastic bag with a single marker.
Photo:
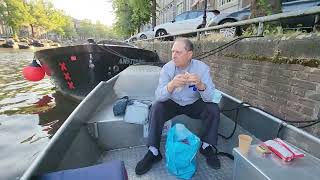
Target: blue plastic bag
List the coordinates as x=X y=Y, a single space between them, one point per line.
x=181 y=150
x=217 y=95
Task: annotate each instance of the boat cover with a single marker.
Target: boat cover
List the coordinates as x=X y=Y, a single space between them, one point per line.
x=114 y=170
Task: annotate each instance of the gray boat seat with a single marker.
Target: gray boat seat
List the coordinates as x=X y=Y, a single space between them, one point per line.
x=115 y=133
x=127 y=85
x=129 y=82
x=105 y=127
x=114 y=170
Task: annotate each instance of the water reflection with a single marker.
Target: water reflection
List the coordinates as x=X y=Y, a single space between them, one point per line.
x=53 y=118
x=30 y=113
x=15 y=154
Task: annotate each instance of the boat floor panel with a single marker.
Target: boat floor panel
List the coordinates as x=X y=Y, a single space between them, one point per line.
x=131 y=156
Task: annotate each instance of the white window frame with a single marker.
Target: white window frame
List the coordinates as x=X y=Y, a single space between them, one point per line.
x=227 y=4
x=180 y=8
x=224 y=2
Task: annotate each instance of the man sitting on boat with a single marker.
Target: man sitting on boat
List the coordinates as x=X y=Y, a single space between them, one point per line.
x=185 y=87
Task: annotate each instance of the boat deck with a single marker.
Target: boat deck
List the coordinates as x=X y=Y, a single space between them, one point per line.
x=159 y=171
x=132 y=155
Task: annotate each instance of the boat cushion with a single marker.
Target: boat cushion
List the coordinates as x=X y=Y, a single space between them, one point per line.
x=114 y=170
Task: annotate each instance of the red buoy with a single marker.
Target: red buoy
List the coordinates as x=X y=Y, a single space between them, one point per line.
x=33 y=72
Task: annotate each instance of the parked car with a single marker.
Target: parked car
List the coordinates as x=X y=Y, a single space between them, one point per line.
x=287 y=6
x=142 y=35
x=189 y=20
x=145 y=34
x=131 y=39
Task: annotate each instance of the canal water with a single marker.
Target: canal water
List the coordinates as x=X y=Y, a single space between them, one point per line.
x=30 y=113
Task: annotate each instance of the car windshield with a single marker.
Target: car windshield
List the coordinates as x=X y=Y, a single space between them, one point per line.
x=194 y=14
x=181 y=17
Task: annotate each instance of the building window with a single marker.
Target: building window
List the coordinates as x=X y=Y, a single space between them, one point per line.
x=180 y=8
x=223 y=2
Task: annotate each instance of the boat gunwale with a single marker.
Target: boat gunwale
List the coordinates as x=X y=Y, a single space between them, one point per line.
x=51 y=50
x=283 y=123
x=65 y=125
x=34 y=165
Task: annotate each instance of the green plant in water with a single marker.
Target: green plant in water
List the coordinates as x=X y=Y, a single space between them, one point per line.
x=250 y=31
x=273 y=29
x=277 y=59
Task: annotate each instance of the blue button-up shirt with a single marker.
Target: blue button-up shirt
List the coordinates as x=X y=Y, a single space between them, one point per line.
x=185 y=95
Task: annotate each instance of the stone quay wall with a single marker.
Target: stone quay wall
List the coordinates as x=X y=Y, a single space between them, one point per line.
x=280 y=75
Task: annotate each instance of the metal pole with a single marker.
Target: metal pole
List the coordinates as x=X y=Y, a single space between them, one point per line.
x=204 y=21
x=316 y=22
x=260 y=29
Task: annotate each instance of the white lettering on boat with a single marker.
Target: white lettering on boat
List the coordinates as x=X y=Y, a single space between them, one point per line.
x=130 y=61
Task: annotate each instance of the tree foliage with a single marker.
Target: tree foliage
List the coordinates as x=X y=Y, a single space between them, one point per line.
x=43 y=17
x=141 y=12
x=14 y=13
x=96 y=30
x=264 y=7
x=68 y=29
x=130 y=15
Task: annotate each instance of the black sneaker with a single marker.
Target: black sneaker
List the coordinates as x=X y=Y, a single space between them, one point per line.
x=146 y=163
x=211 y=156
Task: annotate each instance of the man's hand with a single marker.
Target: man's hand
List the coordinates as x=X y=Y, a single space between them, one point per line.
x=178 y=81
x=195 y=80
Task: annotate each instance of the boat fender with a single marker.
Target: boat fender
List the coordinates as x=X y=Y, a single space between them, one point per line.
x=33 y=72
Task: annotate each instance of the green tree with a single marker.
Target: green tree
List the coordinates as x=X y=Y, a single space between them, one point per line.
x=154 y=13
x=141 y=12
x=85 y=28
x=130 y=15
x=39 y=16
x=49 y=19
x=101 y=31
x=264 y=7
x=57 y=19
x=123 y=12
x=14 y=13
x=69 y=28
x=96 y=30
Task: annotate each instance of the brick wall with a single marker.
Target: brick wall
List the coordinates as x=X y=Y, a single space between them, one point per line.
x=289 y=91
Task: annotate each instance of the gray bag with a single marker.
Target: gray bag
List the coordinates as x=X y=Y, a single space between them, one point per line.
x=137 y=112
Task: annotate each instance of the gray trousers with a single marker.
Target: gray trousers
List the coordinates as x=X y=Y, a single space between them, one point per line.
x=164 y=111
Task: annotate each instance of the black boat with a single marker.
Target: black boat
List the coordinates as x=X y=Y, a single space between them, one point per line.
x=23 y=46
x=76 y=70
x=10 y=43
